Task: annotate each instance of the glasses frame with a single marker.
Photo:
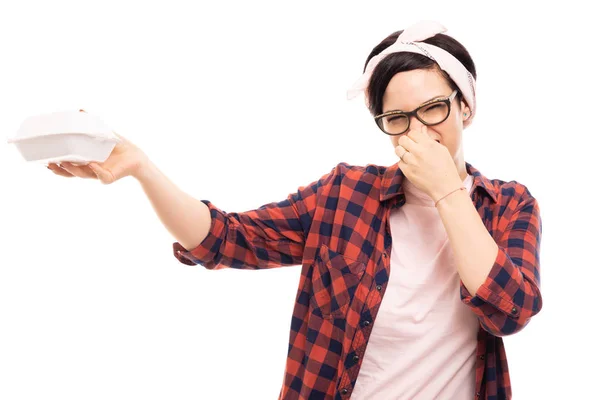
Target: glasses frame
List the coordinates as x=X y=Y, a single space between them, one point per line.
x=448 y=100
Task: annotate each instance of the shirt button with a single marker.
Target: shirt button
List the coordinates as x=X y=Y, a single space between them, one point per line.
x=384 y=255
x=355 y=358
x=366 y=323
x=378 y=287
x=344 y=391
x=481 y=357
x=477 y=394
x=514 y=310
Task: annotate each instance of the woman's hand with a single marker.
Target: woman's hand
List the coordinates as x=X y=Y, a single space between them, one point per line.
x=428 y=164
x=125 y=159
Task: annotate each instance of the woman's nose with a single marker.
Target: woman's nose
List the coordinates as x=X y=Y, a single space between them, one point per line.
x=414 y=121
x=415 y=124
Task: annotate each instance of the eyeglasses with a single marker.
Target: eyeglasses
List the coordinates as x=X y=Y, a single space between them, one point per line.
x=431 y=113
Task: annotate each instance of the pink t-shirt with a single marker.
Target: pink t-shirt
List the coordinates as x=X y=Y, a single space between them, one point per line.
x=424 y=338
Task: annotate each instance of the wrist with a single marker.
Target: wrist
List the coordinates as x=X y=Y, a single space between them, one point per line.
x=144 y=170
x=440 y=192
x=450 y=194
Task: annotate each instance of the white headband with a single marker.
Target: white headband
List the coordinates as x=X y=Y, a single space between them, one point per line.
x=411 y=40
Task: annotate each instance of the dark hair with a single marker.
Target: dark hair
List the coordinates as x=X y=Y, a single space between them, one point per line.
x=407 y=61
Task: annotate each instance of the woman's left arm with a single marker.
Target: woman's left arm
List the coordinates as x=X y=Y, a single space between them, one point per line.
x=500 y=279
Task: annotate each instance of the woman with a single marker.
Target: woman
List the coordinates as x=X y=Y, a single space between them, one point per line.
x=430 y=271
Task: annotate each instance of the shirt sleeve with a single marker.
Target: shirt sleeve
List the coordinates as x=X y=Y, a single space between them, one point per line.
x=510 y=295
x=271 y=236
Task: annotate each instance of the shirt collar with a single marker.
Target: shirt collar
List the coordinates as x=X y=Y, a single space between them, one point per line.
x=392 y=177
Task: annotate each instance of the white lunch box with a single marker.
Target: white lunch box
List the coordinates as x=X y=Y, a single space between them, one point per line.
x=71 y=136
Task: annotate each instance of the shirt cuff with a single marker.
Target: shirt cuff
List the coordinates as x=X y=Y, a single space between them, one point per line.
x=494 y=294
x=207 y=250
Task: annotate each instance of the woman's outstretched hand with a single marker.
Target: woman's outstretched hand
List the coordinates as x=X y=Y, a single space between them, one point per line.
x=125 y=159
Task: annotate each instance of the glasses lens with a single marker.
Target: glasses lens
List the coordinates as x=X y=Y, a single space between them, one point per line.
x=434 y=113
x=393 y=124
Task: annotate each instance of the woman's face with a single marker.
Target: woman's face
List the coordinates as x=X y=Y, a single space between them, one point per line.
x=408 y=90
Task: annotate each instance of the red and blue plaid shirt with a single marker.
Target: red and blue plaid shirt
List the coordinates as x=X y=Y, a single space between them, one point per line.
x=337 y=228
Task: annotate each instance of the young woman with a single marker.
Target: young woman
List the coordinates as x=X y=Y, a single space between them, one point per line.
x=412 y=273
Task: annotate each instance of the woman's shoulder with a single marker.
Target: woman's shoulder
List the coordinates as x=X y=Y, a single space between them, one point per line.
x=355 y=170
x=502 y=189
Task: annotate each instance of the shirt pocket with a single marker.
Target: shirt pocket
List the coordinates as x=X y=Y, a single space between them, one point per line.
x=335 y=278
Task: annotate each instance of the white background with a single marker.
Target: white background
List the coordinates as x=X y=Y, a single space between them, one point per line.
x=240 y=103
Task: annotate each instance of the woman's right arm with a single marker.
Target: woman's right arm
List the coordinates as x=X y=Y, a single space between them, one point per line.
x=270 y=236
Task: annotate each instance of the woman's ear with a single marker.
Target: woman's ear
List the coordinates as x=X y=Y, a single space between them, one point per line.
x=465 y=111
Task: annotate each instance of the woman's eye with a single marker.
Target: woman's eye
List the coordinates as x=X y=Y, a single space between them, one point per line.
x=396 y=119
x=433 y=107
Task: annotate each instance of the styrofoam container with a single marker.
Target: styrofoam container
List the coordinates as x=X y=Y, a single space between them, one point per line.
x=71 y=136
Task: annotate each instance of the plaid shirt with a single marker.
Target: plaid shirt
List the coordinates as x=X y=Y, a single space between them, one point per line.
x=337 y=228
